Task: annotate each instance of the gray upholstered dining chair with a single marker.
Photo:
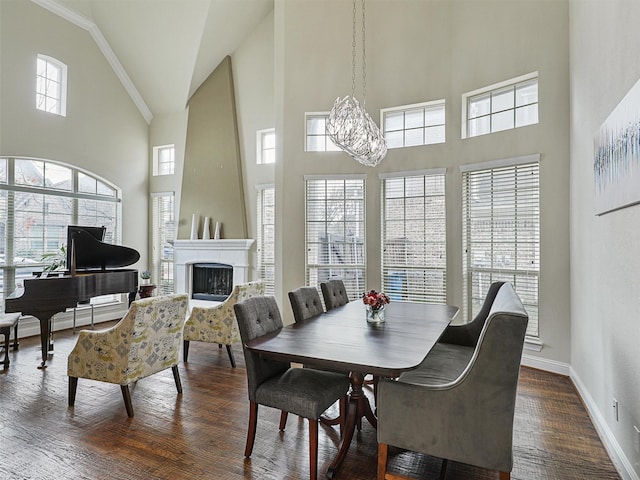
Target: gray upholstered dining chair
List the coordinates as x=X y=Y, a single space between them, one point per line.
x=334 y=294
x=305 y=303
x=459 y=404
x=303 y=391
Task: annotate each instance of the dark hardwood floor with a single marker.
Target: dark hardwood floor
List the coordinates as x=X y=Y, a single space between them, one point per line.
x=201 y=433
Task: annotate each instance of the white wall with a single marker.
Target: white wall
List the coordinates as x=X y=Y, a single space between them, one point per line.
x=605 y=253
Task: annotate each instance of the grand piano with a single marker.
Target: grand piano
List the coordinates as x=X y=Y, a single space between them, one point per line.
x=93 y=270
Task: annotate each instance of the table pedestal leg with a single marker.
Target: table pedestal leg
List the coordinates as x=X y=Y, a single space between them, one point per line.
x=357 y=408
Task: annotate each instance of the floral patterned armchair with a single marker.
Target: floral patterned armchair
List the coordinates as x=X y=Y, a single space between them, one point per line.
x=218 y=324
x=144 y=342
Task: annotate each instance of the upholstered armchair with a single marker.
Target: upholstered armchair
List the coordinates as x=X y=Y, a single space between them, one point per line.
x=334 y=294
x=144 y=342
x=459 y=404
x=217 y=324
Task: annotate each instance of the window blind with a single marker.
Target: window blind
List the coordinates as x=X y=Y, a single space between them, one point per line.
x=163 y=228
x=501 y=235
x=414 y=257
x=266 y=237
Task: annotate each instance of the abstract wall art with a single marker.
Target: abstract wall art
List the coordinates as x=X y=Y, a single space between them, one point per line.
x=616 y=165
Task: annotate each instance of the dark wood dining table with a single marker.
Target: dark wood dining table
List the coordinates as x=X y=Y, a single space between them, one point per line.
x=342 y=340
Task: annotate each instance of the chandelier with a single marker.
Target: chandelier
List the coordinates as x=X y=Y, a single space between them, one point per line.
x=349 y=125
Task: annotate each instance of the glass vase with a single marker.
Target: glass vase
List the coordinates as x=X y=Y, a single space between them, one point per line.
x=375 y=315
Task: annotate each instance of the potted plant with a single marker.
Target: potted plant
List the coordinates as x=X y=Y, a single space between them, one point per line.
x=55 y=260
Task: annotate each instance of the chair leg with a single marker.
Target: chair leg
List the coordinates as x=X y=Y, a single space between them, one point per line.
x=73 y=386
x=343 y=413
x=283 y=420
x=126 y=395
x=185 y=350
x=231 y=358
x=313 y=449
x=15 y=338
x=443 y=468
x=176 y=377
x=6 y=334
x=383 y=450
x=505 y=475
x=251 y=434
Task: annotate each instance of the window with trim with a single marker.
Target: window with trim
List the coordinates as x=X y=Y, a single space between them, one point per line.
x=265 y=238
x=503 y=106
x=335 y=231
x=414 y=241
x=163 y=225
x=501 y=232
x=266 y=146
x=38 y=200
x=51 y=85
x=164 y=160
x=412 y=125
x=317 y=139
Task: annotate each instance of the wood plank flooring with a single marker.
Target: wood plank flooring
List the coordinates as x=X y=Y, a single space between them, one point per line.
x=201 y=433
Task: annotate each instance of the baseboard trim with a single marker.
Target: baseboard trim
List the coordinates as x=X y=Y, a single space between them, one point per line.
x=545 y=364
x=620 y=460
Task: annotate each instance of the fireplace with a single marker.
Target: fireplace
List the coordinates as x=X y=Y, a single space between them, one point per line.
x=211 y=281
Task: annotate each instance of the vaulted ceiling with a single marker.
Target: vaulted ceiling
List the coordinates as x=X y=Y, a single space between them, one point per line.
x=167 y=48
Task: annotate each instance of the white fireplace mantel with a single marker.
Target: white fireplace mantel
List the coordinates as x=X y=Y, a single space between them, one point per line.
x=230 y=251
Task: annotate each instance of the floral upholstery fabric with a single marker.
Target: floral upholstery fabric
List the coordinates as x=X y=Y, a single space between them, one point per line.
x=147 y=340
x=218 y=324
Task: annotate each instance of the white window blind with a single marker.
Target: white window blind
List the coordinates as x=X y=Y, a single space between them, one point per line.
x=266 y=236
x=501 y=235
x=164 y=232
x=335 y=232
x=414 y=260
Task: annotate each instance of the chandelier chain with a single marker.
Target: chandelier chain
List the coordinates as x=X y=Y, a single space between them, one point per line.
x=364 y=61
x=353 y=52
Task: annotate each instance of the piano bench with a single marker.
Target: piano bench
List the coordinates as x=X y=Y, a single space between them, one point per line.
x=7 y=322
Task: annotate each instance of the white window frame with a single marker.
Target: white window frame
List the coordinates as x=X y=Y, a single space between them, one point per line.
x=265 y=237
x=158 y=163
x=49 y=88
x=349 y=264
x=414 y=238
x=423 y=128
x=265 y=149
x=501 y=197
x=163 y=227
x=321 y=137
x=490 y=90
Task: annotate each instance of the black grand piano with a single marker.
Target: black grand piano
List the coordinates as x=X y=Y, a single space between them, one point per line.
x=93 y=270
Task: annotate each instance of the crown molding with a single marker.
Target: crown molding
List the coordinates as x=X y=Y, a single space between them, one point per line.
x=86 y=24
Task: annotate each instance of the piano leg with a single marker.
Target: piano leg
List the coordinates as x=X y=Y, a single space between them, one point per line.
x=45 y=338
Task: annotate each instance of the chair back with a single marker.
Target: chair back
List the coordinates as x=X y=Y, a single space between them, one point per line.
x=334 y=294
x=258 y=316
x=305 y=303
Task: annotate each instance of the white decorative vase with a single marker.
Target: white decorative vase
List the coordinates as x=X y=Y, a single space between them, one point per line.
x=206 y=229
x=194 y=227
x=216 y=235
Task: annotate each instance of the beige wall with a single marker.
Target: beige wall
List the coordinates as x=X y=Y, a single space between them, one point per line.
x=605 y=254
x=103 y=131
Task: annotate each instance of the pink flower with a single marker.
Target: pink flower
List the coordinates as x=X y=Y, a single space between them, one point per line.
x=375 y=300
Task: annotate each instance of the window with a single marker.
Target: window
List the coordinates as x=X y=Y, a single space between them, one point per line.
x=38 y=199
x=164 y=232
x=51 y=85
x=414 y=260
x=411 y=125
x=266 y=146
x=501 y=232
x=317 y=139
x=266 y=236
x=164 y=160
x=503 y=106
x=335 y=231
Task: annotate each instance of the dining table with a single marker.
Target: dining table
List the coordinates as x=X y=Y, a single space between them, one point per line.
x=341 y=339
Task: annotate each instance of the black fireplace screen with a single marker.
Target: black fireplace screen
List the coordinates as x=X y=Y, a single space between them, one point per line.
x=212 y=281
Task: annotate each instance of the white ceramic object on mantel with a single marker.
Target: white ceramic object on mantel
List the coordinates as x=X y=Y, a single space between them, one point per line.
x=216 y=235
x=206 y=229
x=194 y=227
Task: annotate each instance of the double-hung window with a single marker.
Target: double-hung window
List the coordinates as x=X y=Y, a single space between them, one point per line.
x=164 y=160
x=412 y=125
x=501 y=232
x=265 y=238
x=164 y=227
x=335 y=231
x=51 y=85
x=414 y=259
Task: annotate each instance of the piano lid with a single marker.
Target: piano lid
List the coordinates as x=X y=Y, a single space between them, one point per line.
x=92 y=253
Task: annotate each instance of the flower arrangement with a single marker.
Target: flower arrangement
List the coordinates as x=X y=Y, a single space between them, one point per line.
x=145 y=275
x=375 y=300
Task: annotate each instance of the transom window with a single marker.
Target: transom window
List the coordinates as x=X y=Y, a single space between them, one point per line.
x=335 y=231
x=266 y=237
x=266 y=146
x=412 y=125
x=317 y=139
x=503 y=106
x=501 y=232
x=51 y=85
x=414 y=240
x=164 y=160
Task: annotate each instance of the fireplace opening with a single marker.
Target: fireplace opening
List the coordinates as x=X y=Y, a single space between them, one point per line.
x=211 y=281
